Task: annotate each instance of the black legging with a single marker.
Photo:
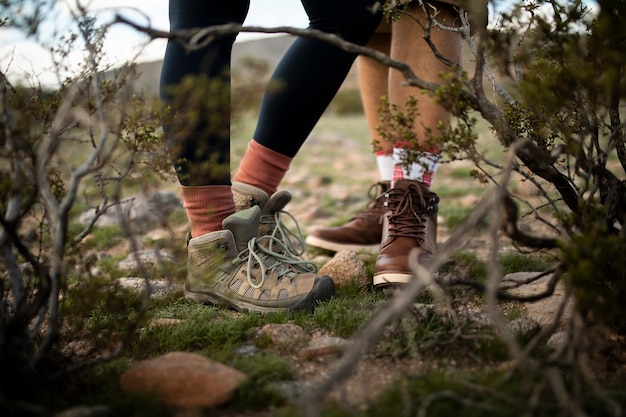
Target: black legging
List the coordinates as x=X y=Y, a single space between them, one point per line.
x=310 y=73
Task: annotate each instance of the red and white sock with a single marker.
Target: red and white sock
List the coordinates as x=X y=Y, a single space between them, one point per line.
x=384 y=160
x=422 y=170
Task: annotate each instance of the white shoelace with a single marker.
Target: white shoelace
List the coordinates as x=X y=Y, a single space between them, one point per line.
x=271 y=261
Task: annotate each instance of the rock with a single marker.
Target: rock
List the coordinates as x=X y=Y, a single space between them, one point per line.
x=140 y=283
x=286 y=334
x=524 y=327
x=247 y=351
x=558 y=341
x=292 y=391
x=162 y=322
x=527 y=284
x=344 y=267
x=323 y=347
x=184 y=380
x=147 y=258
x=143 y=211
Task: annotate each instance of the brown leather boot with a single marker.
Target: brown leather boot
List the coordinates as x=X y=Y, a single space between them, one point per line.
x=362 y=233
x=410 y=223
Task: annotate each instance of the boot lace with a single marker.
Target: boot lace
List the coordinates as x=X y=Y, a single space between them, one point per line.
x=290 y=242
x=269 y=261
x=409 y=211
x=375 y=207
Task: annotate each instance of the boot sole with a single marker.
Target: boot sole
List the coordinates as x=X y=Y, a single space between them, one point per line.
x=339 y=247
x=323 y=290
x=387 y=279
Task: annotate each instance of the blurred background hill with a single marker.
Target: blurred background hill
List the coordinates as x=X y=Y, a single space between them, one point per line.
x=266 y=51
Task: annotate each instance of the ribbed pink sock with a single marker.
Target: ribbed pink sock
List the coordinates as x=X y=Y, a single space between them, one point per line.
x=207 y=206
x=262 y=167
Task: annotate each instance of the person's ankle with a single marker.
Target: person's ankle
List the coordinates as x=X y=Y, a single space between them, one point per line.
x=207 y=206
x=262 y=167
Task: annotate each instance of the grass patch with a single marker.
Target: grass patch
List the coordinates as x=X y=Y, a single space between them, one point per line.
x=213 y=331
x=262 y=370
x=466 y=265
x=511 y=262
x=453 y=216
x=342 y=316
x=447 y=192
x=410 y=336
x=102 y=238
x=103 y=311
x=461 y=172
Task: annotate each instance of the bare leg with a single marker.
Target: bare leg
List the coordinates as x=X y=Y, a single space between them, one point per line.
x=408 y=45
x=373 y=83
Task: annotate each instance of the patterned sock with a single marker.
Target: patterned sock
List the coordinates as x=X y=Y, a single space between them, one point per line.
x=422 y=170
x=207 y=206
x=262 y=167
x=385 y=165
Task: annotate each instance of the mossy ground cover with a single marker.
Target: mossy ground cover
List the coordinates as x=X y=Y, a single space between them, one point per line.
x=461 y=369
x=437 y=367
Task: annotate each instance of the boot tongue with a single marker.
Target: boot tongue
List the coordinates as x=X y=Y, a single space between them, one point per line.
x=276 y=202
x=244 y=225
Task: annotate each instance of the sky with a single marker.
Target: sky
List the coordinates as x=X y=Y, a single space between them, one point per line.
x=19 y=56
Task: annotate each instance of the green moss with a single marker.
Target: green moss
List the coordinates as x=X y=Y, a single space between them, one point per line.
x=261 y=370
x=211 y=330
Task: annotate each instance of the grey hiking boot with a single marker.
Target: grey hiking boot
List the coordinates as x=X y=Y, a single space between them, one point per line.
x=272 y=213
x=234 y=268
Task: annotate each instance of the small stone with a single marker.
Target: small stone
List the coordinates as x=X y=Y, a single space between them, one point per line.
x=247 y=351
x=162 y=322
x=558 y=341
x=140 y=283
x=147 y=258
x=291 y=391
x=524 y=327
x=184 y=380
x=345 y=267
x=142 y=212
x=286 y=334
x=323 y=347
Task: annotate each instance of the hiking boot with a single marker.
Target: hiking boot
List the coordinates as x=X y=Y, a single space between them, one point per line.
x=361 y=233
x=233 y=268
x=246 y=196
x=411 y=222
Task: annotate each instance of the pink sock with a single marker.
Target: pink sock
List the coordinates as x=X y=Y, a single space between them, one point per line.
x=262 y=167
x=207 y=206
